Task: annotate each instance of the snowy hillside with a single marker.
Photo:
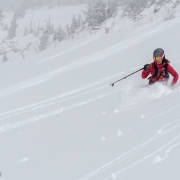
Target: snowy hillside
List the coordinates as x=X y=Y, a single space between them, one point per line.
x=27 y=32
x=30 y=28
x=60 y=119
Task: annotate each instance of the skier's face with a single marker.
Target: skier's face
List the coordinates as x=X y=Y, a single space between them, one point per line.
x=158 y=60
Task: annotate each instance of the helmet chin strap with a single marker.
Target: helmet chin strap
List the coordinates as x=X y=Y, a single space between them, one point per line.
x=163 y=56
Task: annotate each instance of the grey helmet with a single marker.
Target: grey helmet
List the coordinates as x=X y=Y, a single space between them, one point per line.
x=158 y=52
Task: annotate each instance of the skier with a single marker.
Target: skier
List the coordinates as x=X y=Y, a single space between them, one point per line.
x=159 y=69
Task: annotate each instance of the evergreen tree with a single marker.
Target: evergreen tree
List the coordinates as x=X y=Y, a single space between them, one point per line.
x=25 y=32
x=20 y=12
x=79 y=21
x=112 y=8
x=96 y=13
x=68 y=31
x=12 y=29
x=74 y=25
x=50 y=28
x=44 y=41
x=5 y=58
x=38 y=30
x=134 y=8
x=30 y=26
x=59 y=34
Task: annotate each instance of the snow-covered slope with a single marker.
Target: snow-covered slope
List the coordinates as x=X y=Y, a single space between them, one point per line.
x=60 y=119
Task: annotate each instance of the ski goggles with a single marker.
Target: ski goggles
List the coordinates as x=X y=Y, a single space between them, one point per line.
x=158 y=58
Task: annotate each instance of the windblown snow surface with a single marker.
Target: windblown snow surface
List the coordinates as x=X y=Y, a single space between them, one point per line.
x=60 y=119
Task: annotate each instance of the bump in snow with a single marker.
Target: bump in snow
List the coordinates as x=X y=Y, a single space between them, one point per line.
x=119 y=133
x=24 y=159
x=103 y=139
x=116 y=111
x=113 y=176
x=157 y=159
x=142 y=116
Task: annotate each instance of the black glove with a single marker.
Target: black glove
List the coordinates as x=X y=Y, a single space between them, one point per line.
x=152 y=80
x=146 y=67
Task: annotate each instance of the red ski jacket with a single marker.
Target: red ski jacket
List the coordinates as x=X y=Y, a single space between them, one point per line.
x=160 y=72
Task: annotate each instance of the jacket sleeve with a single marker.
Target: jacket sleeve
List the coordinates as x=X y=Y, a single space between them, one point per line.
x=173 y=73
x=145 y=74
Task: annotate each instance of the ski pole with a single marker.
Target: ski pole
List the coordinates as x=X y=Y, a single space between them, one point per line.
x=112 y=84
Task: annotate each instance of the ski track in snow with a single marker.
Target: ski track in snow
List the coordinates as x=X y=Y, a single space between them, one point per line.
x=136 y=149
x=130 y=98
x=169 y=108
x=59 y=98
x=11 y=126
x=75 y=94
x=96 y=57
x=42 y=104
x=69 y=50
x=70 y=95
x=58 y=111
x=36 y=81
x=167 y=151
